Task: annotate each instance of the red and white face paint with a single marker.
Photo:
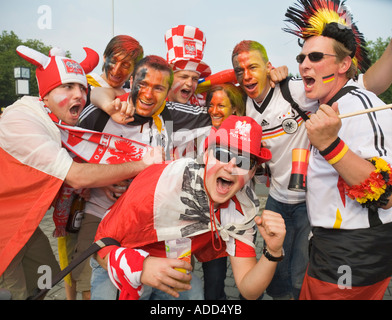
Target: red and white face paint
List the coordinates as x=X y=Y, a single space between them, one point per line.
x=224 y=180
x=67 y=102
x=184 y=86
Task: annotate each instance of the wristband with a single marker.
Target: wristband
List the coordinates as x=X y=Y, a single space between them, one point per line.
x=335 y=151
x=270 y=257
x=125 y=267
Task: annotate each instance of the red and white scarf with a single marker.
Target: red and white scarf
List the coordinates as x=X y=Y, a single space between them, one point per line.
x=93 y=147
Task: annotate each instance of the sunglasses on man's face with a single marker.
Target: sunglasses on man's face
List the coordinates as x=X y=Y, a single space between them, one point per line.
x=313 y=56
x=246 y=162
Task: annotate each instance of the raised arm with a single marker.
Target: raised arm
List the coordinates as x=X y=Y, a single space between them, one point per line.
x=252 y=277
x=378 y=77
x=87 y=175
x=119 y=110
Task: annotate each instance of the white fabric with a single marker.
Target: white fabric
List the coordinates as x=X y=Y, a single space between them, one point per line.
x=28 y=121
x=281 y=140
x=363 y=135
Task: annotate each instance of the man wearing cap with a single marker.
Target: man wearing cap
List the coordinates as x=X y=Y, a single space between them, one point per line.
x=34 y=166
x=349 y=177
x=187 y=198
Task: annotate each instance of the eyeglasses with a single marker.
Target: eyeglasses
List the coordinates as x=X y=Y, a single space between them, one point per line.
x=313 y=56
x=242 y=161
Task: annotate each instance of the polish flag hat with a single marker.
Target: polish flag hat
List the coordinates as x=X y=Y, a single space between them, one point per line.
x=185 y=49
x=56 y=69
x=242 y=134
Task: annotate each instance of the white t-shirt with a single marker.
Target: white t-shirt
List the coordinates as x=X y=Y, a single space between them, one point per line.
x=283 y=130
x=368 y=135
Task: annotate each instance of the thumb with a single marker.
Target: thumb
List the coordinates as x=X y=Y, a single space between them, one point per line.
x=335 y=108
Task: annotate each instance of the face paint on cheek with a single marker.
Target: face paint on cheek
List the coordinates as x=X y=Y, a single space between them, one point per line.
x=177 y=86
x=140 y=76
x=61 y=100
x=109 y=63
x=329 y=78
x=194 y=87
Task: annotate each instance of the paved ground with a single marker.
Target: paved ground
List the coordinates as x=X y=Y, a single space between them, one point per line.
x=58 y=292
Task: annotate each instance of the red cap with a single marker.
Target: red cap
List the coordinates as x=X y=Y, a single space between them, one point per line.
x=240 y=133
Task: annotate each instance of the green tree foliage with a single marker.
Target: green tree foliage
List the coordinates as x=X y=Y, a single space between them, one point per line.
x=10 y=59
x=376 y=49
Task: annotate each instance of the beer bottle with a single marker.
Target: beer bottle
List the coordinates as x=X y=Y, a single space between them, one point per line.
x=75 y=214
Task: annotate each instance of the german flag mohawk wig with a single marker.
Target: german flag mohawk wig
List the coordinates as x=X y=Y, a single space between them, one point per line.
x=329 y=18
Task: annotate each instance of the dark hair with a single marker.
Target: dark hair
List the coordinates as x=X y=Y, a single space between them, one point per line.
x=155 y=62
x=124 y=44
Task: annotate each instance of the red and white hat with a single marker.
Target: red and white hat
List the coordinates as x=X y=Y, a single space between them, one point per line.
x=242 y=134
x=185 y=49
x=57 y=69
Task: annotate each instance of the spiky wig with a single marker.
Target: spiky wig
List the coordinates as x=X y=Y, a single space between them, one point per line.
x=329 y=18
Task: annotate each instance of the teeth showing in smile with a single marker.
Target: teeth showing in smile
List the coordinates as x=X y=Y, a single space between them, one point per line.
x=146 y=103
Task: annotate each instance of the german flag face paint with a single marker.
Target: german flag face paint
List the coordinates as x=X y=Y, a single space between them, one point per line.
x=329 y=78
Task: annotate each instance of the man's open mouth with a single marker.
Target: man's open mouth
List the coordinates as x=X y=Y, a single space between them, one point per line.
x=185 y=92
x=309 y=82
x=75 y=110
x=223 y=185
x=250 y=87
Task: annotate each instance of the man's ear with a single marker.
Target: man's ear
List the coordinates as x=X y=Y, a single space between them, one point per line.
x=345 y=64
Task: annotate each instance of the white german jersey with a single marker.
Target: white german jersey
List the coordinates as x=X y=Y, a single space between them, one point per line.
x=368 y=135
x=283 y=130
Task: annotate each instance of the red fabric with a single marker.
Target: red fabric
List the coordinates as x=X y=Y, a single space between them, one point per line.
x=23 y=209
x=141 y=202
x=314 y=289
x=125 y=266
x=131 y=222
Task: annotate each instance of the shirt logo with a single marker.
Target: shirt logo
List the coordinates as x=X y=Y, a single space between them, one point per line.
x=242 y=130
x=290 y=125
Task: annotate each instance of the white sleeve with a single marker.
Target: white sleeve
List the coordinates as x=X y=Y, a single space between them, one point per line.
x=34 y=142
x=360 y=81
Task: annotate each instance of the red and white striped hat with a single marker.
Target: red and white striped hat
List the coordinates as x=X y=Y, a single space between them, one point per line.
x=185 y=49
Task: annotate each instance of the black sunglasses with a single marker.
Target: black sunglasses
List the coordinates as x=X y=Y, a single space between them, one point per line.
x=244 y=162
x=313 y=56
